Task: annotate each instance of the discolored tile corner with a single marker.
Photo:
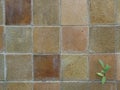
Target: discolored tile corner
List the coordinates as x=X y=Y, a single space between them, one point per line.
x=2 y=46
x=74 y=12
x=18 y=12
x=74 y=39
x=47 y=86
x=74 y=86
x=46 y=67
x=95 y=67
x=1 y=12
x=1 y=67
x=74 y=67
x=18 y=39
x=19 y=86
x=102 y=39
x=102 y=12
x=46 y=40
x=19 y=67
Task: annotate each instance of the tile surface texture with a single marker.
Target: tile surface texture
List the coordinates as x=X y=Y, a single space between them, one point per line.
x=1 y=12
x=1 y=38
x=1 y=67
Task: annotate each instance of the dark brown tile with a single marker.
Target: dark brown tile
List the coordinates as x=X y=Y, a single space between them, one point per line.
x=96 y=67
x=46 y=12
x=46 y=67
x=46 y=86
x=1 y=12
x=18 y=12
x=1 y=39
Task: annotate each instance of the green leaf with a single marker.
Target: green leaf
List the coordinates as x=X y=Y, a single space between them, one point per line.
x=100 y=74
x=103 y=71
x=101 y=63
x=107 y=67
x=103 y=80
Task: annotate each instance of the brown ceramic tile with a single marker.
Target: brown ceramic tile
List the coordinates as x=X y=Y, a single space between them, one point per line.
x=19 y=67
x=46 y=40
x=1 y=86
x=74 y=67
x=19 y=39
x=99 y=86
x=102 y=11
x=46 y=67
x=1 y=39
x=74 y=12
x=1 y=67
x=118 y=66
x=1 y=12
x=46 y=12
x=117 y=39
x=102 y=39
x=74 y=86
x=74 y=38
x=18 y=12
x=118 y=86
x=95 y=66
x=46 y=86
x=18 y=86
x=118 y=12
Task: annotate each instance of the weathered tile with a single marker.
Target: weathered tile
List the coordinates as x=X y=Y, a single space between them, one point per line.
x=1 y=12
x=99 y=86
x=1 y=86
x=46 y=40
x=19 y=67
x=18 y=12
x=117 y=39
x=1 y=39
x=96 y=67
x=1 y=67
x=19 y=86
x=74 y=67
x=118 y=11
x=118 y=86
x=46 y=67
x=74 y=86
x=46 y=12
x=118 y=66
x=46 y=86
x=74 y=12
x=102 y=39
x=102 y=11
x=19 y=39
x=74 y=39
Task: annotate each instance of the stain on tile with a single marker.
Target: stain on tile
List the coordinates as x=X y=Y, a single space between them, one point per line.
x=74 y=86
x=102 y=39
x=1 y=86
x=46 y=67
x=1 y=38
x=1 y=12
x=19 y=39
x=19 y=67
x=18 y=12
x=74 y=12
x=1 y=67
x=19 y=86
x=118 y=66
x=46 y=39
x=96 y=67
x=102 y=11
x=74 y=39
x=74 y=67
x=46 y=12
x=46 y=86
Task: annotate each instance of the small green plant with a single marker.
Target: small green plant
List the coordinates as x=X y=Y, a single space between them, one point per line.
x=105 y=69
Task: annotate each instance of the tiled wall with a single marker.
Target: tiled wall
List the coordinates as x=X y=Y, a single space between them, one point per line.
x=56 y=44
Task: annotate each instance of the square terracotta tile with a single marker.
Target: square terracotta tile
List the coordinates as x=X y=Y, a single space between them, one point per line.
x=102 y=39
x=46 y=86
x=118 y=11
x=74 y=86
x=99 y=86
x=46 y=40
x=1 y=67
x=1 y=86
x=102 y=11
x=74 y=67
x=1 y=38
x=46 y=12
x=118 y=66
x=74 y=38
x=1 y=12
x=96 y=67
x=74 y=12
x=19 y=39
x=18 y=12
x=117 y=39
x=46 y=67
x=19 y=86
x=19 y=67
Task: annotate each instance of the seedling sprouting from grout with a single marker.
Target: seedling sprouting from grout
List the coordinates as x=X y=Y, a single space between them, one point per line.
x=105 y=69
